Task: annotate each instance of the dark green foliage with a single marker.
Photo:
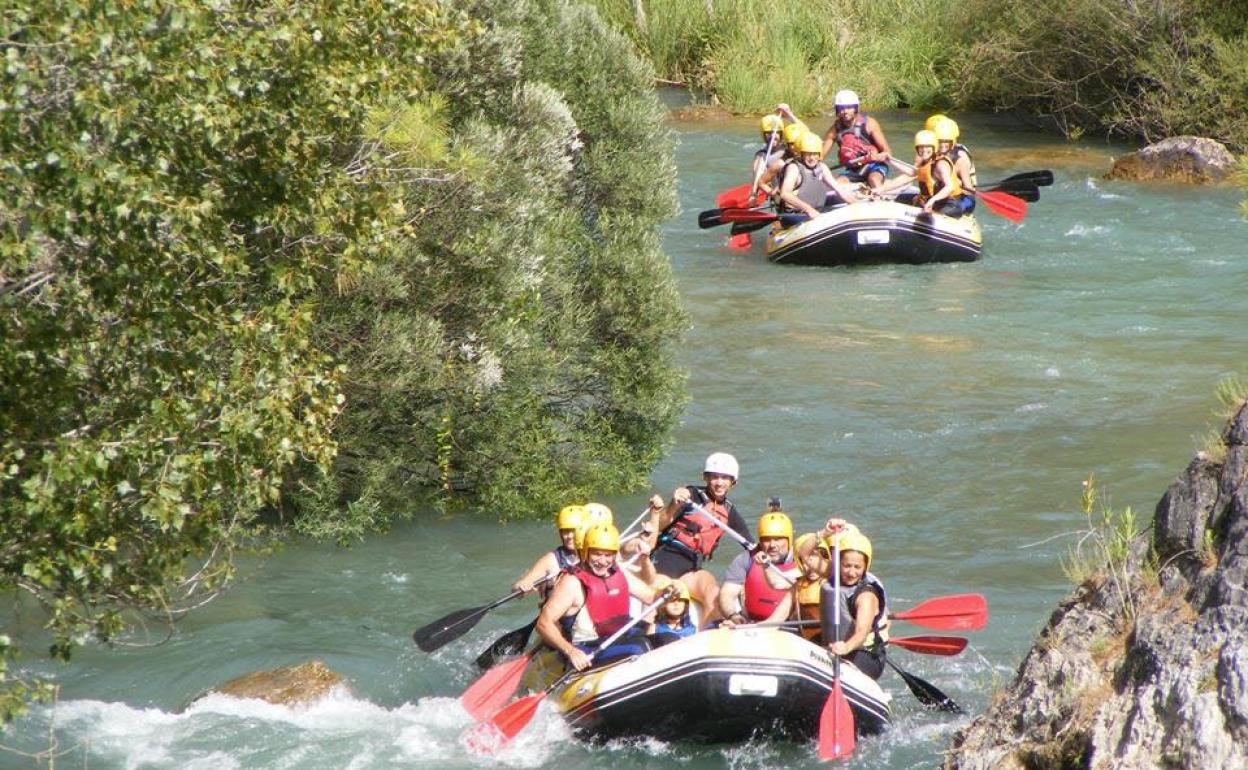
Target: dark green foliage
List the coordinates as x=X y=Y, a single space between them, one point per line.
x=180 y=184
x=516 y=352
x=1146 y=70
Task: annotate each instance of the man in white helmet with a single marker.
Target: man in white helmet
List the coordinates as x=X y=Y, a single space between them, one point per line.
x=686 y=539
x=861 y=146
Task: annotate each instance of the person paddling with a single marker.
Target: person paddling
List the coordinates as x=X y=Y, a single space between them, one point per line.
x=947 y=132
x=590 y=602
x=864 y=629
x=939 y=189
x=769 y=182
x=806 y=182
x=751 y=593
x=862 y=147
x=686 y=540
x=562 y=558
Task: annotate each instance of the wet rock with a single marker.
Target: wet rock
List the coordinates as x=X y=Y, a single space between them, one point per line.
x=1190 y=159
x=289 y=685
x=1146 y=667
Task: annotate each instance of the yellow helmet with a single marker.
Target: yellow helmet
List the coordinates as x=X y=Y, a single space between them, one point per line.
x=570 y=517
x=600 y=537
x=930 y=123
x=597 y=513
x=946 y=130
x=855 y=541
x=925 y=138
x=811 y=143
x=793 y=134
x=771 y=124
x=662 y=582
x=775 y=524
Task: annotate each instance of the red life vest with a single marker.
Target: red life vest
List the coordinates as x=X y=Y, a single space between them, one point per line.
x=694 y=532
x=760 y=598
x=854 y=143
x=606 y=599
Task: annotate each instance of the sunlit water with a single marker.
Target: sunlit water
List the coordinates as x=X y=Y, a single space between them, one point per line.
x=950 y=410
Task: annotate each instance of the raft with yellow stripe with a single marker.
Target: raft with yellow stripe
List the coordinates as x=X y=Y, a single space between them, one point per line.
x=874 y=232
x=713 y=687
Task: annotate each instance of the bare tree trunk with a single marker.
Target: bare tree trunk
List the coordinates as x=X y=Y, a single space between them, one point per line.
x=639 y=10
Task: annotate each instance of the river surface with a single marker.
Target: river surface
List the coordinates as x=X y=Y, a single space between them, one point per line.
x=952 y=411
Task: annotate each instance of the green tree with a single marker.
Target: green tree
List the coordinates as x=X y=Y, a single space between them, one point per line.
x=518 y=349
x=177 y=180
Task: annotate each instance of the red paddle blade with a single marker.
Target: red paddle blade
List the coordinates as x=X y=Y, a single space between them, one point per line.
x=957 y=612
x=493 y=689
x=1004 y=204
x=739 y=197
x=748 y=215
x=490 y=737
x=931 y=645
x=739 y=241
x=733 y=196
x=836 y=726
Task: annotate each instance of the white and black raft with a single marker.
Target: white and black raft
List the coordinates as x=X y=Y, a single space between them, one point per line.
x=874 y=232
x=716 y=686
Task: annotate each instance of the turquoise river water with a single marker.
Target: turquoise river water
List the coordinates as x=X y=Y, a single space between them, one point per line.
x=951 y=410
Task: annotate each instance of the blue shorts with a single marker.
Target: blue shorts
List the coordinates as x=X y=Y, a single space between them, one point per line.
x=861 y=174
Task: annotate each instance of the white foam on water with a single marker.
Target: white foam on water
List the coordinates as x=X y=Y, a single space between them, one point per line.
x=1079 y=230
x=1036 y=407
x=340 y=730
x=397 y=578
x=1052 y=371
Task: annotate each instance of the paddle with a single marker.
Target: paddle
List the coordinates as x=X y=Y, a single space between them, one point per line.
x=746 y=544
x=956 y=612
x=1003 y=204
x=493 y=689
x=925 y=692
x=836 y=720
x=450 y=627
x=1021 y=190
x=931 y=645
x=490 y=736
x=507 y=645
x=1038 y=178
x=1000 y=203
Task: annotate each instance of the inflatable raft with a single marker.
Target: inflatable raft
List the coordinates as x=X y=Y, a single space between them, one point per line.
x=712 y=687
x=873 y=232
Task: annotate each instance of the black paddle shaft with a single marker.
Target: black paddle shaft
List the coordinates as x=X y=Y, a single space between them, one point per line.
x=450 y=627
x=925 y=692
x=507 y=645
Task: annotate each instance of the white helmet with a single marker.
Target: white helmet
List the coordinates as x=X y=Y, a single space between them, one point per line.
x=845 y=98
x=722 y=462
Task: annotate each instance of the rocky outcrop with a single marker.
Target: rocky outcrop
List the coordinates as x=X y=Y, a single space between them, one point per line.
x=1146 y=665
x=289 y=685
x=1181 y=159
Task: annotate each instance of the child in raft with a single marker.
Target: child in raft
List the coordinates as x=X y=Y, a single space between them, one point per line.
x=672 y=621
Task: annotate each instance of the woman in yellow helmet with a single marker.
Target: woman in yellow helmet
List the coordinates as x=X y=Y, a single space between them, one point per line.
x=564 y=557
x=769 y=182
x=864 y=612
x=939 y=189
x=947 y=132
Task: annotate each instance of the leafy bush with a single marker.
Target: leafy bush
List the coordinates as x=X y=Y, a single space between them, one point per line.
x=516 y=350
x=1146 y=70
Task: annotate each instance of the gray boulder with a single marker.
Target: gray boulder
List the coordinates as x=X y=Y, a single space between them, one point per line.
x=1190 y=159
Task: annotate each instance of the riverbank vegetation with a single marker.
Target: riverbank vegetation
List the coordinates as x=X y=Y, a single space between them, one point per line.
x=320 y=264
x=1145 y=70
